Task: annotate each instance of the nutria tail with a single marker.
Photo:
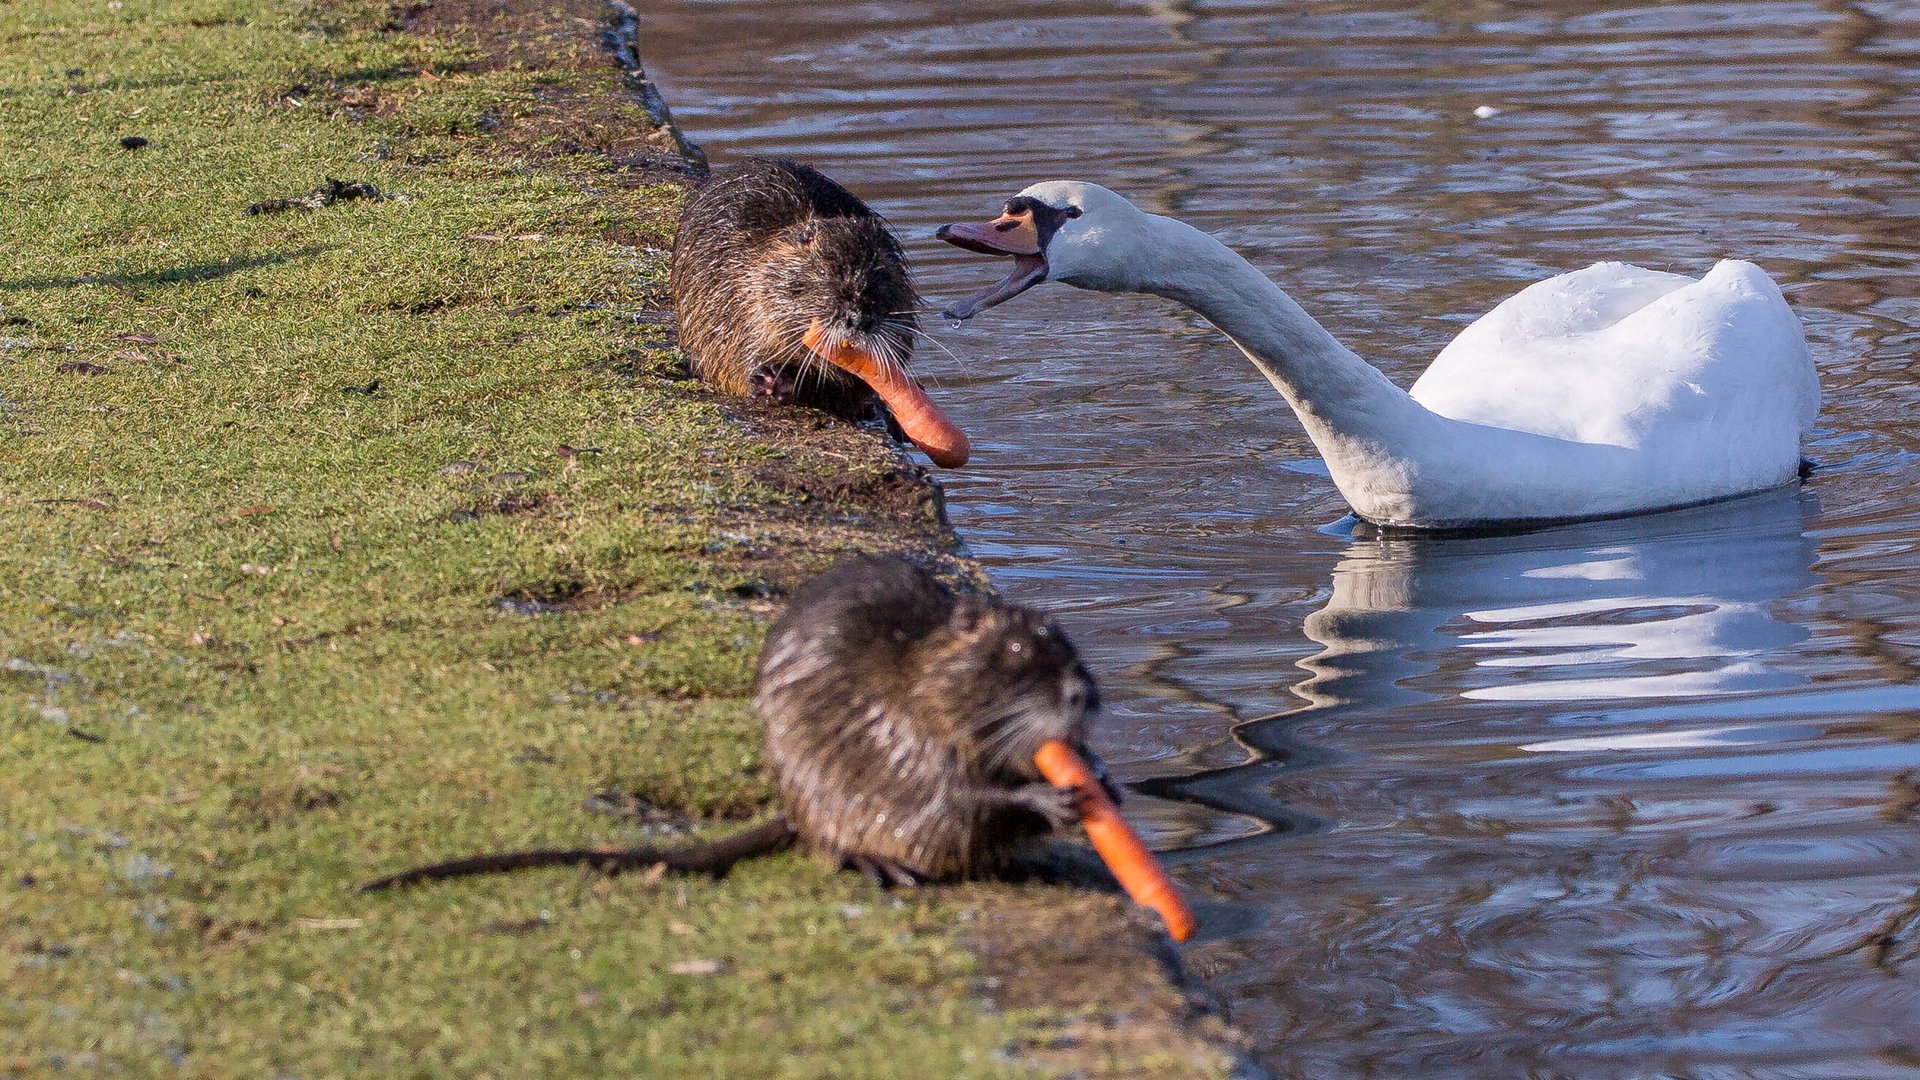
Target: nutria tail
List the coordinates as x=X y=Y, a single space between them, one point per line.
x=713 y=859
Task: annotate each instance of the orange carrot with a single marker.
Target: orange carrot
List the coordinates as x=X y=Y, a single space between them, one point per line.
x=919 y=417
x=1137 y=870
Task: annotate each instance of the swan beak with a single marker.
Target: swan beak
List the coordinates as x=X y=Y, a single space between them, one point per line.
x=1008 y=234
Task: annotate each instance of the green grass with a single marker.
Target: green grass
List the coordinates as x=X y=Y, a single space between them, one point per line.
x=250 y=645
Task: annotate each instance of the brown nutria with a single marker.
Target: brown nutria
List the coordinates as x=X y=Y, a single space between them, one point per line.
x=902 y=720
x=786 y=285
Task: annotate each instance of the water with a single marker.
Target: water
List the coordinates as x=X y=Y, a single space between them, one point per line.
x=1638 y=798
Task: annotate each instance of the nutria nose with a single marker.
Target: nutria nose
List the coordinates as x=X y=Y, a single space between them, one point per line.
x=1077 y=699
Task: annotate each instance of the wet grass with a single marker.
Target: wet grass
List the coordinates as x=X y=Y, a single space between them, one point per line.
x=265 y=483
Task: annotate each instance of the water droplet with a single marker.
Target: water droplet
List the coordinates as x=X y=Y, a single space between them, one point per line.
x=955 y=323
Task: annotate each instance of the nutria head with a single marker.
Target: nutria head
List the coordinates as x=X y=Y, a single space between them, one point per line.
x=1012 y=679
x=786 y=285
x=879 y=636
x=848 y=276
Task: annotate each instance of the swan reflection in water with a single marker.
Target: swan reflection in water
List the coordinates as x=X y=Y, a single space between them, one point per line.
x=1576 y=780
x=1666 y=605
x=1468 y=651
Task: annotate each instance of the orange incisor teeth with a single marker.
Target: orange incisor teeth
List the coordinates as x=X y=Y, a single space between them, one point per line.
x=915 y=412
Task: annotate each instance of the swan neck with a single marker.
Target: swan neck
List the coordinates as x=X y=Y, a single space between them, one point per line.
x=1356 y=416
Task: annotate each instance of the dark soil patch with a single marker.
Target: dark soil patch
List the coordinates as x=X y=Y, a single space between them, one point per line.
x=906 y=490
x=555 y=598
x=265 y=805
x=509 y=504
x=329 y=192
x=646 y=237
x=817 y=468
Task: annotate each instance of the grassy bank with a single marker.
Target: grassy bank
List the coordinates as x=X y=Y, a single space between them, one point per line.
x=382 y=528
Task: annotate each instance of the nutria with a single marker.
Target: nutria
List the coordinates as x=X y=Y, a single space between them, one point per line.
x=902 y=720
x=782 y=279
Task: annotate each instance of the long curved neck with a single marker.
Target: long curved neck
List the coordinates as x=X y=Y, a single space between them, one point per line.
x=1365 y=427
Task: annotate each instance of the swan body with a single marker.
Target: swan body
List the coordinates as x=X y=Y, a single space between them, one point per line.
x=1606 y=391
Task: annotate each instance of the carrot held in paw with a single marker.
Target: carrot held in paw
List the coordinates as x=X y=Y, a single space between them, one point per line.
x=1119 y=846
x=919 y=417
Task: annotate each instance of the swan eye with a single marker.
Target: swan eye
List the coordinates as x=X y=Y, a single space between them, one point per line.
x=1073 y=211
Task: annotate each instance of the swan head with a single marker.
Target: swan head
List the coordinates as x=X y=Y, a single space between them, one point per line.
x=1060 y=230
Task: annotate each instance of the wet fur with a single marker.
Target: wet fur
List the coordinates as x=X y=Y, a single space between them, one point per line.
x=765 y=248
x=902 y=721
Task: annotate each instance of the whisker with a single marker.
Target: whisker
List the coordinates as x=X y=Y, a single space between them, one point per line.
x=887 y=351
x=1007 y=728
x=933 y=341
x=951 y=355
x=802 y=359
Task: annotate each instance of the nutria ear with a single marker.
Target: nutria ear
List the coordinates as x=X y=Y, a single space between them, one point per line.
x=967 y=616
x=809 y=232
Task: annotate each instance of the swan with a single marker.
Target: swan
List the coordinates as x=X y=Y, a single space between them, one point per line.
x=1603 y=392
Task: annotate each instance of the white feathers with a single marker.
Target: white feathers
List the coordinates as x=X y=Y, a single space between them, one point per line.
x=1610 y=390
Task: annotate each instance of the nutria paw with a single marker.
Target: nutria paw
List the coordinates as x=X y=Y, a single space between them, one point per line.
x=1058 y=807
x=883 y=872
x=780 y=384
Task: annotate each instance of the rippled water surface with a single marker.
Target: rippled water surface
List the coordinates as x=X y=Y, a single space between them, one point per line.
x=1639 y=798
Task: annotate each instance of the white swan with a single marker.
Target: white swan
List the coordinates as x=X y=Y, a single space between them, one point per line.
x=1607 y=391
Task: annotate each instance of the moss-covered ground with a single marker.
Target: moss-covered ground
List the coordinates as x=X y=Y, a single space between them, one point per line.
x=337 y=538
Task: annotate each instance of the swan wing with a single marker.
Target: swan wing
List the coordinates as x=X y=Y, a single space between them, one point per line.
x=1619 y=355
